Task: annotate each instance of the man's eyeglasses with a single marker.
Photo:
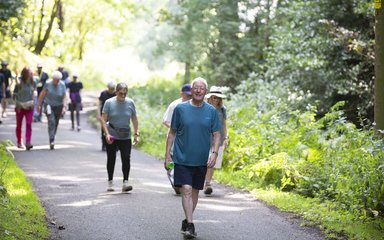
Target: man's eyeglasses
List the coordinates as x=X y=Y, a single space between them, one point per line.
x=122 y=93
x=199 y=88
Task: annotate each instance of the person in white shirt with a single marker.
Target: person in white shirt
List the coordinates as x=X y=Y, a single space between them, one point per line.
x=185 y=95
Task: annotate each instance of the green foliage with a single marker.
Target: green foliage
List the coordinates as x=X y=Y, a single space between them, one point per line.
x=10 y=8
x=290 y=150
x=21 y=215
x=320 y=49
x=151 y=101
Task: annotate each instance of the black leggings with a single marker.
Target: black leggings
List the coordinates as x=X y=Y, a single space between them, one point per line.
x=124 y=146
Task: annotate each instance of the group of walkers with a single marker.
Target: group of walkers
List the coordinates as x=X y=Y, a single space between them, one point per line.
x=195 y=141
x=196 y=122
x=34 y=93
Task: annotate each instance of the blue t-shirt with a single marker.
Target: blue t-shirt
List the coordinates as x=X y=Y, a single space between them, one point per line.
x=55 y=94
x=193 y=128
x=119 y=116
x=24 y=91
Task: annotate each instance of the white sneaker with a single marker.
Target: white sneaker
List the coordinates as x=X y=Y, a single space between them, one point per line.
x=126 y=187
x=110 y=186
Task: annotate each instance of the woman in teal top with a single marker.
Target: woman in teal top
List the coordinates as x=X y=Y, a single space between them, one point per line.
x=117 y=114
x=24 y=94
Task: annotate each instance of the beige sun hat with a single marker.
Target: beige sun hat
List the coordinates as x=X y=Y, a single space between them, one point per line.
x=215 y=91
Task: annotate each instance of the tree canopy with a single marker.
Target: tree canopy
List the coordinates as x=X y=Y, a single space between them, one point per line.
x=323 y=51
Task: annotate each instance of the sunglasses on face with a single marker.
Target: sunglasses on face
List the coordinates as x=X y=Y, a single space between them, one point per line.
x=216 y=98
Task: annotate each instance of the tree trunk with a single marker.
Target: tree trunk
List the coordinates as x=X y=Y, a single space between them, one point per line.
x=187 y=74
x=379 y=68
x=40 y=44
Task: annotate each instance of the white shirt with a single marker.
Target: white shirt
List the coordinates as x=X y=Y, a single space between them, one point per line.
x=167 y=118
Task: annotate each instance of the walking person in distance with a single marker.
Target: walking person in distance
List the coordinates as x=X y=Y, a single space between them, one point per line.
x=117 y=114
x=55 y=104
x=25 y=94
x=75 y=106
x=215 y=98
x=104 y=96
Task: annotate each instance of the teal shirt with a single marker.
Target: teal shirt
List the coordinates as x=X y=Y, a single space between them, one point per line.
x=55 y=94
x=193 y=128
x=119 y=115
x=24 y=92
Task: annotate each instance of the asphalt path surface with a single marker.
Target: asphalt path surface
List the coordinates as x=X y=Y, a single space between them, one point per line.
x=71 y=182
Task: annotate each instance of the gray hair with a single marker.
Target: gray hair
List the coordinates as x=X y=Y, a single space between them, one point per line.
x=120 y=86
x=111 y=84
x=200 y=79
x=57 y=75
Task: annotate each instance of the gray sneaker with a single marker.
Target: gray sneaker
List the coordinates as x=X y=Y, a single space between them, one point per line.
x=126 y=187
x=110 y=186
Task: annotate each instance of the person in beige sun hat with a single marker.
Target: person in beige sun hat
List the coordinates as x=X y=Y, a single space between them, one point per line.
x=215 y=98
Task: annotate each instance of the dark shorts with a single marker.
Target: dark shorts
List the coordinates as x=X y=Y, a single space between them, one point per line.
x=187 y=175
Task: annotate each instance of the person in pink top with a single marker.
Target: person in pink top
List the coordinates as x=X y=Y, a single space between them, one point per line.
x=25 y=94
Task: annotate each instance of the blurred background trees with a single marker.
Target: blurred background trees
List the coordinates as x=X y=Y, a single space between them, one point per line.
x=322 y=51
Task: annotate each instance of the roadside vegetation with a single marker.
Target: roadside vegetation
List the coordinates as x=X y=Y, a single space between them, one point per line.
x=324 y=169
x=21 y=214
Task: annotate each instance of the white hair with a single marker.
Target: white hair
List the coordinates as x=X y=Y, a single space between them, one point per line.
x=57 y=75
x=200 y=79
x=111 y=84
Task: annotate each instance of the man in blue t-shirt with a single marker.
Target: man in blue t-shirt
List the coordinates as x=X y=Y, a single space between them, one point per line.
x=193 y=124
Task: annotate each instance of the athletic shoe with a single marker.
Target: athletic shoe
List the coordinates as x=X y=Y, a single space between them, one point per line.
x=78 y=128
x=190 y=231
x=29 y=146
x=184 y=226
x=52 y=145
x=208 y=190
x=20 y=145
x=126 y=187
x=110 y=186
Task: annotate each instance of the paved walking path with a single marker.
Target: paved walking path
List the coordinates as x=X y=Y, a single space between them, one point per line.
x=71 y=183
